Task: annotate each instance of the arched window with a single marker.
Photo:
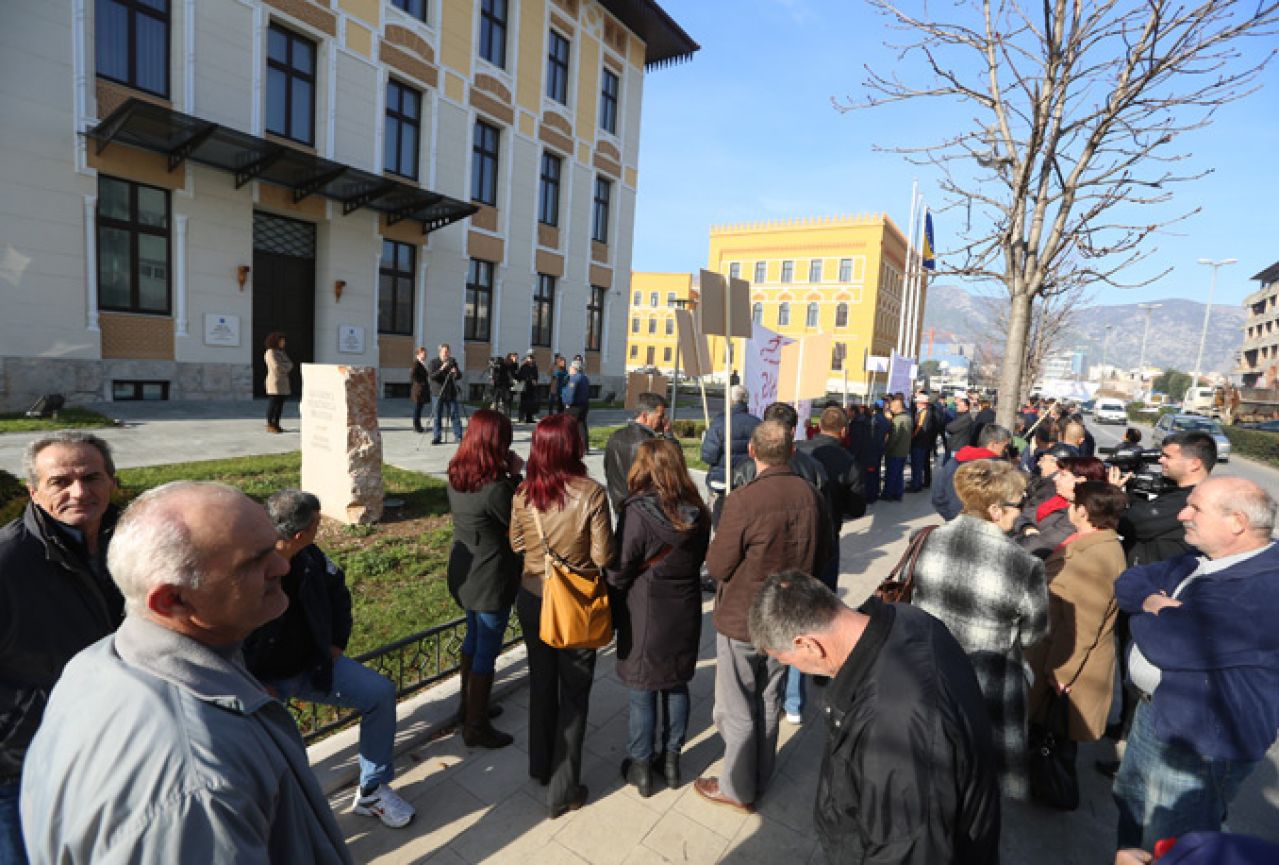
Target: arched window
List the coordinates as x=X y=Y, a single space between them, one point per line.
x=757 y=313
x=783 y=314
x=639 y=298
x=652 y=325
x=841 y=315
x=810 y=320
x=670 y=326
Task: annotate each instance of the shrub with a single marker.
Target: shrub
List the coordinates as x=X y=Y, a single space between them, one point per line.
x=13 y=497
x=688 y=429
x=1254 y=444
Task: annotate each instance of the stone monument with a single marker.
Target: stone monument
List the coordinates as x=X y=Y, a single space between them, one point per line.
x=341 y=443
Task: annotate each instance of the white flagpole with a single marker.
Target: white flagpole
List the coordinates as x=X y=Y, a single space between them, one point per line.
x=728 y=387
x=917 y=291
x=912 y=281
x=910 y=229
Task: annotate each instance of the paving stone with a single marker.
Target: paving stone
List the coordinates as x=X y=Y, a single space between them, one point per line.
x=606 y=832
x=678 y=838
x=762 y=841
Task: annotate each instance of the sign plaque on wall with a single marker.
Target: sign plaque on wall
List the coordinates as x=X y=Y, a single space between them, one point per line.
x=220 y=329
x=350 y=339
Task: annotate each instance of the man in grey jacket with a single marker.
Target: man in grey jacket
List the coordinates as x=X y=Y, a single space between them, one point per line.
x=157 y=745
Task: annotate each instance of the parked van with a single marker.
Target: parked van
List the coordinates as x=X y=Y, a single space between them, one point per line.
x=1201 y=400
x=1110 y=410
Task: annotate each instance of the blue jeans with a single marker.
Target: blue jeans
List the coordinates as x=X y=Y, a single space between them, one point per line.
x=920 y=468
x=11 y=850
x=355 y=686
x=1165 y=790
x=483 y=640
x=793 y=699
x=443 y=405
x=894 y=477
x=643 y=721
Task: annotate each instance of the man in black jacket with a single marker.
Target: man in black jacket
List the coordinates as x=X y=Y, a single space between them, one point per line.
x=56 y=596
x=301 y=654
x=1150 y=529
x=619 y=453
x=420 y=389
x=959 y=432
x=445 y=379
x=909 y=774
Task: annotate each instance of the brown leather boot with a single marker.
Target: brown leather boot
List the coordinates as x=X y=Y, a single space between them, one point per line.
x=478 y=732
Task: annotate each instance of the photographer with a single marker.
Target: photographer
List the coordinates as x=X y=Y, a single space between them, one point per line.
x=1150 y=529
x=445 y=375
x=499 y=373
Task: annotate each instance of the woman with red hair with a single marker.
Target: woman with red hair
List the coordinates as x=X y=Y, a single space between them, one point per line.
x=1052 y=521
x=483 y=573
x=573 y=512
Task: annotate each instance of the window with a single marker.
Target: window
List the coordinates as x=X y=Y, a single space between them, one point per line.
x=132 y=43
x=608 y=102
x=543 y=309
x=652 y=298
x=788 y=271
x=133 y=247
x=479 y=300
x=484 y=164
x=841 y=315
x=666 y=354
x=130 y=391
x=837 y=355
x=670 y=298
x=845 y=269
x=635 y=325
x=810 y=319
x=652 y=325
x=670 y=326
x=735 y=270
x=395 y=288
x=595 y=318
x=634 y=350
x=815 y=270
x=557 y=68
x=761 y=271
x=783 y=314
x=403 y=118
x=493 y=32
x=757 y=313
x=599 y=219
x=548 y=200
x=416 y=8
x=637 y=299
x=290 y=85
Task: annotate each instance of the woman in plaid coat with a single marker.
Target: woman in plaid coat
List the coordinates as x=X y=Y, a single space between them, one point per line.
x=993 y=597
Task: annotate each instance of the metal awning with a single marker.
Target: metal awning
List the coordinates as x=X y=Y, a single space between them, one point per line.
x=665 y=42
x=180 y=137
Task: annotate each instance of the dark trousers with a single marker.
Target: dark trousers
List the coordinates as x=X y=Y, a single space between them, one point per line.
x=579 y=412
x=417 y=415
x=274 y=408
x=559 y=697
x=870 y=484
x=921 y=468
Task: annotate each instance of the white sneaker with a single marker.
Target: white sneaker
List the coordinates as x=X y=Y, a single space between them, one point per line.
x=385 y=804
x=792 y=718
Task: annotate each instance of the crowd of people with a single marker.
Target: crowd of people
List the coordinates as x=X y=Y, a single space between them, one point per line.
x=1046 y=589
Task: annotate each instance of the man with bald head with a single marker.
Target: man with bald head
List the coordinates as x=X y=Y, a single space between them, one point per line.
x=1205 y=660
x=157 y=744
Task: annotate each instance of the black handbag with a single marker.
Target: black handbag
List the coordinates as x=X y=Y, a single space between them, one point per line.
x=1053 y=781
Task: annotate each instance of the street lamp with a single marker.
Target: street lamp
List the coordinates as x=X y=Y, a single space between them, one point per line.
x=1203 y=336
x=1141 y=364
x=1105 y=348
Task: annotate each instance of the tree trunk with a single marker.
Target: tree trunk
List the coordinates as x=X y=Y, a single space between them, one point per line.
x=1010 y=377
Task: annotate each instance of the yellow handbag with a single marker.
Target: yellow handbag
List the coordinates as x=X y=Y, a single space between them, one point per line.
x=575 y=607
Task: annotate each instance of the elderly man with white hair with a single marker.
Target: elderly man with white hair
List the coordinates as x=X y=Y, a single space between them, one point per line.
x=577 y=397
x=157 y=744
x=1206 y=662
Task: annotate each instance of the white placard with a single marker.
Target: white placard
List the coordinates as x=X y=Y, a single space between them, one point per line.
x=221 y=329
x=350 y=339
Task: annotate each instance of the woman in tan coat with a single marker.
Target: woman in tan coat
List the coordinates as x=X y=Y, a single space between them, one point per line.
x=574 y=516
x=1078 y=655
x=278 y=367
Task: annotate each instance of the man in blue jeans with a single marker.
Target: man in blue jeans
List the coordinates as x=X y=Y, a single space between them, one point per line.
x=446 y=377
x=300 y=654
x=1205 y=659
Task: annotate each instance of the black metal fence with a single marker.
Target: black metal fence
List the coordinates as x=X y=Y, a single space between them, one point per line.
x=412 y=663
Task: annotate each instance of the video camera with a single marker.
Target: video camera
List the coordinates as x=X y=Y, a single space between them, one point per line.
x=1147 y=478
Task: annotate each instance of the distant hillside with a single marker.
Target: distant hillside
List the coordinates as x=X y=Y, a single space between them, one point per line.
x=958 y=315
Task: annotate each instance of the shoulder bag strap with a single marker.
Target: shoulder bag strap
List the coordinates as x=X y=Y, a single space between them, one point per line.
x=904 y=572
x=537 y=520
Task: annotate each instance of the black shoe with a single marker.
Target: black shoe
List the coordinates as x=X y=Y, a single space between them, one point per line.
x=670 y=769
x=1109 y=768
x=436 y=441
x=639 y=773
x=576 y=802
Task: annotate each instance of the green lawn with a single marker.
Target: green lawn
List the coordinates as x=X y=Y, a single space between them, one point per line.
x=68 y=418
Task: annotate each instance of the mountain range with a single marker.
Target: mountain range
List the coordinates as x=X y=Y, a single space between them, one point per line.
x=955 y=314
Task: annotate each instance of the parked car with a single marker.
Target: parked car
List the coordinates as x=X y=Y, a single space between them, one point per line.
x=1110 y=410
x=1175 y=423
x=1087 y=406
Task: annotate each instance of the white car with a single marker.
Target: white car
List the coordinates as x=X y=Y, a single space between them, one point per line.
x=1109 y=410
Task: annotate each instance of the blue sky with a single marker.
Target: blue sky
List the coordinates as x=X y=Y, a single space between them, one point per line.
x=746 y=131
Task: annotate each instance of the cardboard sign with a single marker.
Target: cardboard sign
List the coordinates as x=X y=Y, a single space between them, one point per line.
x=805 y=367
x=763 y=359
x=721 y=299
x=694 y=355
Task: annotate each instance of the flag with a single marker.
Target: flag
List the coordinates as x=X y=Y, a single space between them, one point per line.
x=930 y=263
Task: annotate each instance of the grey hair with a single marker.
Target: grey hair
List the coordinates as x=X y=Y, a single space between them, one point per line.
x=1254 y=504
x=152 y=544
x=647 y=403
x=790 y=604
x=993 y=434
x=292 y=511
x=64 y=437
x=739 y=394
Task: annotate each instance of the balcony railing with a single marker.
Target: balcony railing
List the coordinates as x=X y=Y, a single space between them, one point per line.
x=412 y=663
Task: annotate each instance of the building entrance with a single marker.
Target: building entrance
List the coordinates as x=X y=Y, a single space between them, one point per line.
x=283 y=293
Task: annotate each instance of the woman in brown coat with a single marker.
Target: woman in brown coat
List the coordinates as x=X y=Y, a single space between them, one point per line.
x=574 y=515
x=1078 y=655
x=278 y=367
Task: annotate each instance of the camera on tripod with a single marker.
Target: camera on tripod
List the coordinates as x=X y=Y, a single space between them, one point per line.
x=1147 y=478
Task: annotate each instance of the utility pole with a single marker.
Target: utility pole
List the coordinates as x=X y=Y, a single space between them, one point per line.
x=1141 y=364
x=1203 y=335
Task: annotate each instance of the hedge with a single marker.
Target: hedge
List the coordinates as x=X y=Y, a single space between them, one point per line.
x=1254 y=444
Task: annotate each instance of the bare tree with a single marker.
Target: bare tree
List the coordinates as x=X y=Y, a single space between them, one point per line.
x=1077 y=106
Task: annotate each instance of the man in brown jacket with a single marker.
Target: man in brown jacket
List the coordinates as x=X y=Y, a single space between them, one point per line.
x=776 y=522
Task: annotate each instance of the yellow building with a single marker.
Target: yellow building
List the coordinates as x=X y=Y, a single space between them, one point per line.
x=650 y=327
x=843 y=276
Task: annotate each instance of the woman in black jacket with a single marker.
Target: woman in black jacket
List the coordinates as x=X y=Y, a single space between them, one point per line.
x=483 y=574
x=664 y=529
